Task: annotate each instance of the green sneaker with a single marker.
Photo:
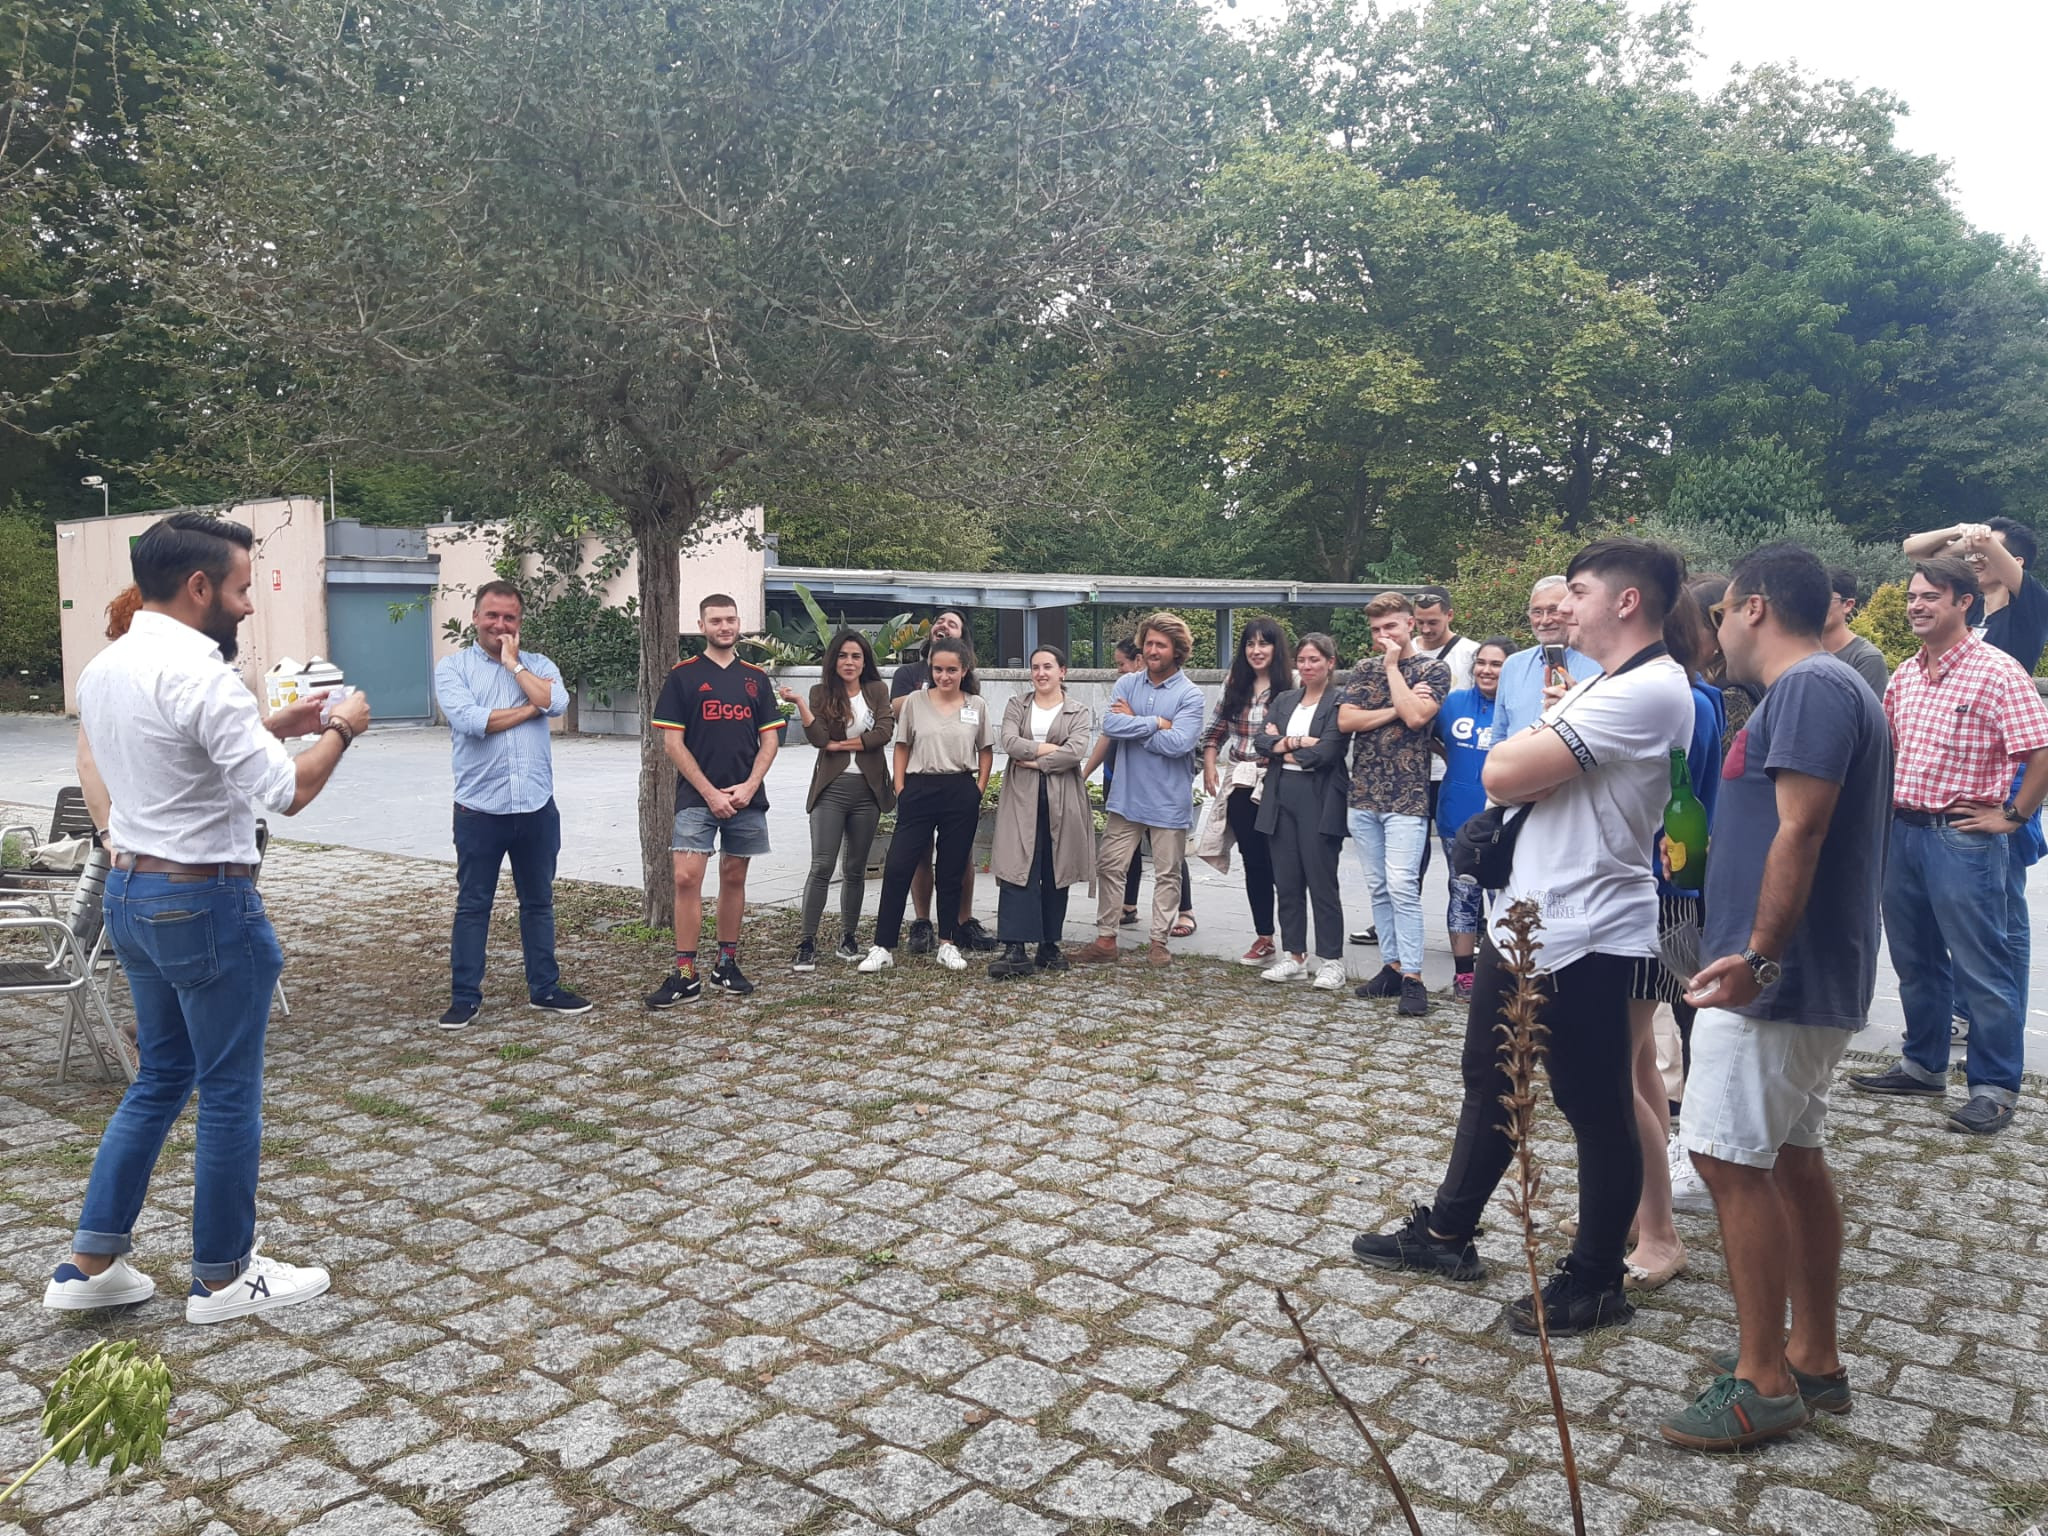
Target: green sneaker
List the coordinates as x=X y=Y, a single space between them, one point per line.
x=1732 y=1414
x=1823 y=1394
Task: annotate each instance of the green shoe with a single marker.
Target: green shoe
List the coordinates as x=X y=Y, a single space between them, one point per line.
x=1823 y=1394
x=1732 y=1414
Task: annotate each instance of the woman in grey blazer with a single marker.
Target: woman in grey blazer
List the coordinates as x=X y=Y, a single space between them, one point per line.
x=1303 y=812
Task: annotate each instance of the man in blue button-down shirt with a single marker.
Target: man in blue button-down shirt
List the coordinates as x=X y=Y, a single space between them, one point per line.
x=498 y=700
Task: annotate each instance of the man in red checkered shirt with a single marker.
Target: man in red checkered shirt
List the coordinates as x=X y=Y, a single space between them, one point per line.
x=1963 y=715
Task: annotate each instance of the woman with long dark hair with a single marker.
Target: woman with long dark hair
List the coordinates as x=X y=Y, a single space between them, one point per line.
x=847 y=718
x=945 y=747
x=1303 y=809
x=1045 y=827
x=1261 y=670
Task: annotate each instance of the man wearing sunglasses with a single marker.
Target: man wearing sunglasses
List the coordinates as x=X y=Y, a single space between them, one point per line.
x=1963 y=716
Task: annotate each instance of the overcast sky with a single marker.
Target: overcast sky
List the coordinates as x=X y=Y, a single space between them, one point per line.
x=1966 y=68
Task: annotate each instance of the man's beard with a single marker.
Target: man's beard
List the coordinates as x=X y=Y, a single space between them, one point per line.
x=222 y=630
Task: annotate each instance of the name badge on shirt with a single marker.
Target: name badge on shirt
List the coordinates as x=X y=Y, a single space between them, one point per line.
x=970 y=717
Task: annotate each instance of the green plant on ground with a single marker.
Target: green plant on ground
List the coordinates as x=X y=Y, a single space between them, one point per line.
x=802 y=642
x=109 y=1404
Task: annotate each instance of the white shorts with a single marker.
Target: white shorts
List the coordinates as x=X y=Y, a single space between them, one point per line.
x=1757 y=1085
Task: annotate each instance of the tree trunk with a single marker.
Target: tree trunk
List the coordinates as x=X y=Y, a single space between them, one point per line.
x=656 y=544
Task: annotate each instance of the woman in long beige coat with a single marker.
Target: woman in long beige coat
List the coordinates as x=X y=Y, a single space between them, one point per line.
x=1045 y=828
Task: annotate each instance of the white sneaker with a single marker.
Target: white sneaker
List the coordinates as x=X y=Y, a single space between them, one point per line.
x=1689 y=1191
x=120 y=1284
x=950 y=957
x=1286 y=968
x=1330 y=976
x=879 y=959
x=265 y=1284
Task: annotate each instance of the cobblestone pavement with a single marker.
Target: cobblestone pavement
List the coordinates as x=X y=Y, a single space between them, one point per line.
x=939 y=1254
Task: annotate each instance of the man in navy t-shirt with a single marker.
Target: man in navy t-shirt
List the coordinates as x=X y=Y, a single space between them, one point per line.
x=720 y=726
x=1806 y=800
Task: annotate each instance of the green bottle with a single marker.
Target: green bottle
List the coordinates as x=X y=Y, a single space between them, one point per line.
x=1685 y=829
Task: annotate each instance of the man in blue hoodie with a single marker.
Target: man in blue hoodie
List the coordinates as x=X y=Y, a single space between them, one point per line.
x=1155 y=718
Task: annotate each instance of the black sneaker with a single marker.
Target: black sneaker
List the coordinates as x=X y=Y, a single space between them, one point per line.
x=1370 y=936
x=1413 y=1246
x=806 y=958
x=561 y=1000
x=727 y=978
x=460 y=1015
x=1129 y=919
x=923 y=938
x=1051 y=957
x=1982 y=1116
x=1414 y=997
x=849 y=950
x=676 y=988
x=1013 y=961
x=970 y=935
x=1386 y=984
x=1897 y=1081
x=1571 y=1307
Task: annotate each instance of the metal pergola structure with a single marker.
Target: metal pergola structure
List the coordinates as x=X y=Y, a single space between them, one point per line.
x=1032 y=593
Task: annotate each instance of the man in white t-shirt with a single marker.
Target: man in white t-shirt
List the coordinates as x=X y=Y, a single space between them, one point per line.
x=1594 y=773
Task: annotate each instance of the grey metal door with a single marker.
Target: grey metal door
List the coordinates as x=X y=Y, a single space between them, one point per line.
x=390 y=660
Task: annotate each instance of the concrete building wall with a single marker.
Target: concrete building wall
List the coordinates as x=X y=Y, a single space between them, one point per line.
x=290 y=562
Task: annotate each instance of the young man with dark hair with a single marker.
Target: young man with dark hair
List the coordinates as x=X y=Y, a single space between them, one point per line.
x=1387 y=709
x=498 y=700
x=1842 y=642
x=1594 y=772
x=913 y=677
x=720 y=726
x=176 y=738
x=1962 y=715
x=1435 y=640
x=1805 y=798
x=2013 y=614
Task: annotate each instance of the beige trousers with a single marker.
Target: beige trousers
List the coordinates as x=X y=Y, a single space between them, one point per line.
x=1120 y=840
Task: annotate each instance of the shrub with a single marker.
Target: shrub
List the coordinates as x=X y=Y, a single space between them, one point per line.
x=29 y=638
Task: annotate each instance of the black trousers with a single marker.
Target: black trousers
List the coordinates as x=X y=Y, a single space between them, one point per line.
x=933 y=806
x=1036 y=911
x=1305 y=867
x=1429 y=833
x=1255 y=853
x=1587 y=1062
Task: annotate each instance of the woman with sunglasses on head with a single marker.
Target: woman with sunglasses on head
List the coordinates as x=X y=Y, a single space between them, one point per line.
x=847 y=718
x=1231 y=765
x=945 y=747
x=1304 y=810
x=1045 y=827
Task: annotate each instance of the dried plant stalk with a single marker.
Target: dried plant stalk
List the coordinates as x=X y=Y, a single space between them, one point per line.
x=1523 y=1035
x=1308 y=1353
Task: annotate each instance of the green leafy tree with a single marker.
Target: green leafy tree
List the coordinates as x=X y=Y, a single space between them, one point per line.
x=31 y=649
x=110 y=1403
x=686 y=256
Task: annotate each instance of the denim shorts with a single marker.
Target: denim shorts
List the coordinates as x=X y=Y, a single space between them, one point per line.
x=742 y=835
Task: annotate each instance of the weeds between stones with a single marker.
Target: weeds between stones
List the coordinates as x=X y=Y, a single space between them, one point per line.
x=1522 y=1037
x=1309 y=1355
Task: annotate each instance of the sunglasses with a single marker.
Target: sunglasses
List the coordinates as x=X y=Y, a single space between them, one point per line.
x=1715 y=612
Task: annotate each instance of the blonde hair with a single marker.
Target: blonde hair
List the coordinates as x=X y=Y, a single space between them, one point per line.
x=1177 y=633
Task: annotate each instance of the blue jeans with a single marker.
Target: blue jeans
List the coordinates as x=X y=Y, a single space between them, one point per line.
x=482 y=841
x=1390 y=851
x=1948 y=920
x=202 y=961
x=2019 y=931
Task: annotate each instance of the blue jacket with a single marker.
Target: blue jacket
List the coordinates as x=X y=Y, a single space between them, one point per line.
x=1155 y=769
x=1702 y=766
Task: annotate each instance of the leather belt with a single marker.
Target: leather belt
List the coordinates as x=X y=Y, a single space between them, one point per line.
x=1923 y=818
x=150 y=864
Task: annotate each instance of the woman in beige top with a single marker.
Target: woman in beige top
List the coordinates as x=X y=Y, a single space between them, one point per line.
x=945 y=747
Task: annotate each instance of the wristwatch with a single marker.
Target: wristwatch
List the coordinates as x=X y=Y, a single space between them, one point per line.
x=2012 y=814
x=1763 y=968
x=518 y=666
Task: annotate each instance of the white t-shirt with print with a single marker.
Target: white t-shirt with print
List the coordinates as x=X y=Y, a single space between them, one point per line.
x=1585 y=855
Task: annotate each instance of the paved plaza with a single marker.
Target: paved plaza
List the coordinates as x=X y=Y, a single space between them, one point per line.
x=935 y=1254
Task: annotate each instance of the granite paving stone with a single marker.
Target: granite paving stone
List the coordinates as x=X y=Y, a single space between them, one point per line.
x=860 y=1257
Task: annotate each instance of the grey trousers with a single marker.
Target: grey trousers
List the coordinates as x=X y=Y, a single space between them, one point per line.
x=842 y=830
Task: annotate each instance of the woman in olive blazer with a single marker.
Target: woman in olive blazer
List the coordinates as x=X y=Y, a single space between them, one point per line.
x=847 y=718
x=1045 y=827
x=1302 y=808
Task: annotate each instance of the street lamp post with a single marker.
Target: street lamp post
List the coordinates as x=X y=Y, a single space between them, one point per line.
x=99 y=483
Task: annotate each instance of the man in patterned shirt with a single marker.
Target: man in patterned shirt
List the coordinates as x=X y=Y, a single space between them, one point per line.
x=1391 y=700
x=1963 y=716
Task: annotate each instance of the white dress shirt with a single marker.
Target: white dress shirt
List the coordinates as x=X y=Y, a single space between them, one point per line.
x=181 y=745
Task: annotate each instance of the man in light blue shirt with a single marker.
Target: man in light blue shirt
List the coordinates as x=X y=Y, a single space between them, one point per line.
x=1520 y=699
x=498 y=700
x=1155 y=719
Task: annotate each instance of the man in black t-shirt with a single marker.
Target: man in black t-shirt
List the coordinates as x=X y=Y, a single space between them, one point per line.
x=720 y=726
x=911 y=677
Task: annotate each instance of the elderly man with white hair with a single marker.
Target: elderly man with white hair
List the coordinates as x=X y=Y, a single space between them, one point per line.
x=1523 y=678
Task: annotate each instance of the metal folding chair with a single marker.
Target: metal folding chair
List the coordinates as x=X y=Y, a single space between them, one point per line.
x=70 y=818
x=76 y=947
